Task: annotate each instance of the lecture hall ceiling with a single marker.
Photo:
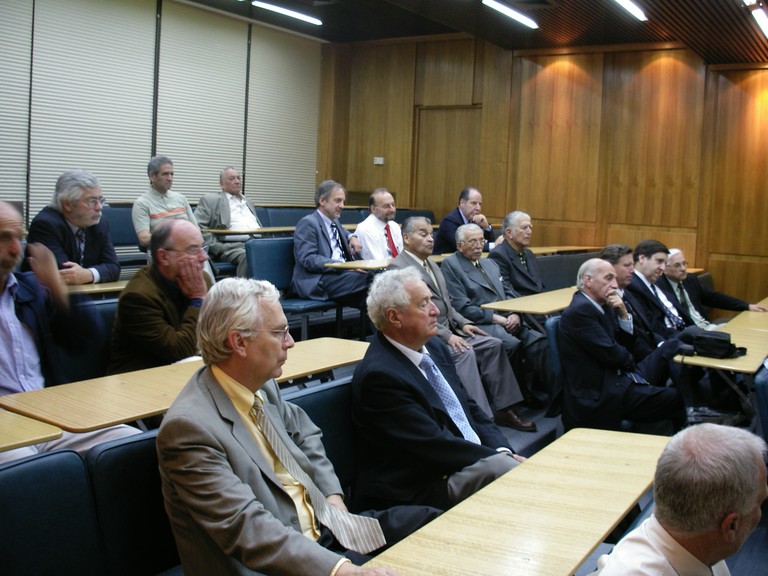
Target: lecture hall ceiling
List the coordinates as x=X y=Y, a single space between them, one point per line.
x=720 y=31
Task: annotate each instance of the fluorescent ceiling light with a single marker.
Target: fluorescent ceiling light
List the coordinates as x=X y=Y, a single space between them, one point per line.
x=514 y=14
x=757 y=7
x=286 y=12
x=633 y=9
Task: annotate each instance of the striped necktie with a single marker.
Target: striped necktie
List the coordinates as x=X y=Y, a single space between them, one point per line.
x=674 y=319
x=80 y=235
x=357 y=533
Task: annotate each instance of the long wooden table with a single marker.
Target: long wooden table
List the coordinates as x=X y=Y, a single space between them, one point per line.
x=543 y=518
x=101 y=402
x=377 y=264
x=17 y=431
x=751 y=320
x=544 y=303
x=100 y=288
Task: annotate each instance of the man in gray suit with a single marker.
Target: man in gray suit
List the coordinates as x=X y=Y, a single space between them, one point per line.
x=244 y=475
x=471 y=348
x=473 y=281
x=227 y=210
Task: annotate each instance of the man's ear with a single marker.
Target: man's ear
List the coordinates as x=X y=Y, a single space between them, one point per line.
x=393 y=317
x=729 y=527
x=236 y=343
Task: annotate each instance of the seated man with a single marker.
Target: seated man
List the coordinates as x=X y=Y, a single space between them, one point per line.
x=518 y=264
x=227 y=210
x=602 y=383
x=708 y=488
x=421 y=439
x=36 y=317
x=247 y=485
x=379 y=234
x=157 y=311
x=159 y=202
x=471 y=348
x=473 y=281
x=72 y=228
x=690 y=297
x=319 y=239
x=468 y=212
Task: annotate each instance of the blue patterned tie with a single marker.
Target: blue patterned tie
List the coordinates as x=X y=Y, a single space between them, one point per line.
x=448 y=398
x=676 y=321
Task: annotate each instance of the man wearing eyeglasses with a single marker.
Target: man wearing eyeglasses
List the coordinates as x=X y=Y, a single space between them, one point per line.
x=72 y=228
x=157 y=312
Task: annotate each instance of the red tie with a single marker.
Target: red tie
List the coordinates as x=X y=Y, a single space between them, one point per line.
x=390 y=242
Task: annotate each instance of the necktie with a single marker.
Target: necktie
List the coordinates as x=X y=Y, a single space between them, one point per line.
x=683 y=299
x=81 y=243
x=339 y=244
x=354 y=532
x=390 y=241
x=448 y=398
x=429 y=272
x=522 y=258
x=487 y=279
x=673 y=318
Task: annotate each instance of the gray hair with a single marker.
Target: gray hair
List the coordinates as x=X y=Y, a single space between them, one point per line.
x=614 y=252
x=388 y=291
x=511 y=219
x=231 y=304
x=71 y=185
x=221 y=174
x=673 y=252
x=464 y=228
x=155 y=162
x=324 y=190
x=588 y=269
x=706 y=472
x=410 y=223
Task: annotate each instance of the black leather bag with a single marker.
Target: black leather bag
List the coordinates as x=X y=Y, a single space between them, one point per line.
x=716 y=345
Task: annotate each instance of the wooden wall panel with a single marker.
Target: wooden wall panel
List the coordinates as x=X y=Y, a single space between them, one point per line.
x=740 y=175
x=332 y=140
x=547 y=233
x=381 y=117
x=652 y=138
x=558 y=145
x=742 y=276
x=447 y=157
x=445 y=73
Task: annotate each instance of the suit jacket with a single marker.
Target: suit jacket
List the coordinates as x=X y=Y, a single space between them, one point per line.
x=311 y=251
x=407 y=442
x=469 y=289
x=524 y=278
x=646 y=339
x=154 y=324
x=449 y=321
x=228 y=510
x=212 y=212
x=700 y=297
x=50 y=228
x=593 y=353
x=445 y=238
x=650 y=307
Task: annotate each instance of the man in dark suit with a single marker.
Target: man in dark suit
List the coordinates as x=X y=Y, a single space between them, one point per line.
x=72 y=228
x=319 y=239
x=247 y=485
x=473 y=281
x=471 y=348
x=421 y=439
x=468 y=211
x=690 y=297
x=518 y=264
x=227 y=210
x=602 y=383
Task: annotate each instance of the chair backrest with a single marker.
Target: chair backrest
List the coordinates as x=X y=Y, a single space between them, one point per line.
x=353 y=215
x=263 y=215
x=551 y=326
x=136 y=533
x=48 y=521
x=287 y=215
x=552 y=273
x=572 y=263
x=271 y=259
x=123 y=234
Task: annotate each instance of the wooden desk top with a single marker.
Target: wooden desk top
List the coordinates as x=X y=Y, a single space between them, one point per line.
x=541 y=250
x=101 y=402
x=360 y=264
x=543 y=303
x=543 y=518
x=101 y=288
x=755 y=342
x=751 y=320
x=17 y=431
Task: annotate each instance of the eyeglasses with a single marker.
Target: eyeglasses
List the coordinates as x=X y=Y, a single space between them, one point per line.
x=93 y=202
x=473 y=242
x=682 y=264
x=284 y=331
x=191 y=251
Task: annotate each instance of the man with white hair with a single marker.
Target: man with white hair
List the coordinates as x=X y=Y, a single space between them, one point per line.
x=690 y=297
x=246 y=481
x=72 y=228
x=518 y=264
x=709 y=486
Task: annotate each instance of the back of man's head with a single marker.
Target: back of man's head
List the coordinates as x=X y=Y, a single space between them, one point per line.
x=706 y=472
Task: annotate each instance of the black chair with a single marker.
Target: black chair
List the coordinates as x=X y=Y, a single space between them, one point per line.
x=136 y=534
x=551 y=326
x=123 y=235
x=272 y=259
x=48 y=524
